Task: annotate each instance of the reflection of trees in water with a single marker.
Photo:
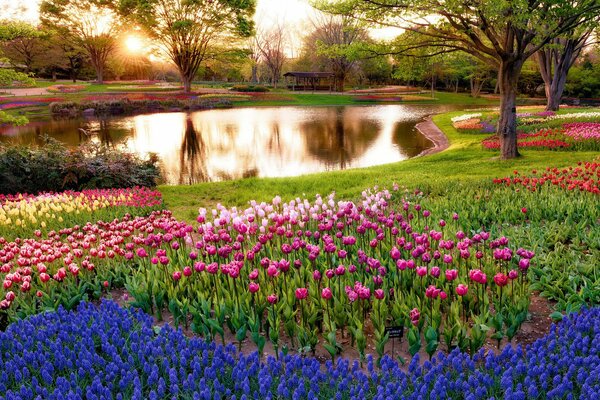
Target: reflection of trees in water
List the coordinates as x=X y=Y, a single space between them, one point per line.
x=192 y=156
x=339 y=137
x=409 y=139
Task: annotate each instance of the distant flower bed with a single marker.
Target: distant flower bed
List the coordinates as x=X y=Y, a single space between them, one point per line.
x=377 y=98
x=585 y=177
x=109 y=352
x=572 y=136
x=465 y=117
x=583 y=130
x=139 y=88
x=249 y=88
x=22 y=214
x=468 y=124
x=582 y=115
x=230 y=97
x=18 y=104
x=528 y=141
x=66 y=88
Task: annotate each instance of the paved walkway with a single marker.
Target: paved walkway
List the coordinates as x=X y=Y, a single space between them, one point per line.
x=433 y=133
x=24 y=91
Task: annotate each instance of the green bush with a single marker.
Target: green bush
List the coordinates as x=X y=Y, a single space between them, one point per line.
x=249 y=88
x=10 y=77
x=126 y=106
x=53 y=167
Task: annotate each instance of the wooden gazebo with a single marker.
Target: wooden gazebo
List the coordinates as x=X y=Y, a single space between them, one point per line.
x=310 y=80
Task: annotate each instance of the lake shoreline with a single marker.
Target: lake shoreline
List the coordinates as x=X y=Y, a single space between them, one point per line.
x=432 y=132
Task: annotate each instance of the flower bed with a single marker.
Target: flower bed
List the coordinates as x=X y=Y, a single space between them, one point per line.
x=21 y=214
x=377 y=98
x=66 y=88
x=330 y=267
x=582 y=131
x=108 y=352
x=585 y=177
x=337 y=267
x=72 y=264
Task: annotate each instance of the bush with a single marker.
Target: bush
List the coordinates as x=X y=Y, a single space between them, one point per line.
x=249 y=88
x=125 y=106
x=53 y=167
x=108 y=351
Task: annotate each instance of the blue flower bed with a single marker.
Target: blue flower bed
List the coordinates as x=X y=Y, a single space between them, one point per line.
x=107 y=352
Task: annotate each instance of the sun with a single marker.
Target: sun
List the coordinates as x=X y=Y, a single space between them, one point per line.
x=134 y=44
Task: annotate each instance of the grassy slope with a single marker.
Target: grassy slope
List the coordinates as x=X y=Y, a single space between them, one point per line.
x=464 y=161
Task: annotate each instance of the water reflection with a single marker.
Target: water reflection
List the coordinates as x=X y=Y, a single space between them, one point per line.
x=246 y=142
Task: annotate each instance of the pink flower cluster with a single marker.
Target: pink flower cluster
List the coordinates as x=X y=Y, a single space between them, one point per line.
x=582 y=130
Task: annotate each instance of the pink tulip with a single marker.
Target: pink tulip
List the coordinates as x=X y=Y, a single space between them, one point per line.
x=176 y=276
x=253 y=287
x=326 y=293
x=461 y=289
x=379 y=294
x=513 y=274
x=301 y=293
x=414 y=316
x=451 y=274
x=435 y=272
x=421 y=271
x=187 y=271
x=443 y=295
x=253 y=275
x=501 y=279
x=272 y=298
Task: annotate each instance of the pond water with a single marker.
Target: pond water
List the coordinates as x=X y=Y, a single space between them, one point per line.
x=250 y=142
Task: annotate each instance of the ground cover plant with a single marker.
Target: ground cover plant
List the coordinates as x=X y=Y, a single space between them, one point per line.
x=109 y=352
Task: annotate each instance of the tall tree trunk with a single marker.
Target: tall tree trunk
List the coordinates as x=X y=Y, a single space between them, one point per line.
x=254 y=73
x=340 y=80
x=554 y=66
x=187 y=83
x=508 y=76
x=99 y=74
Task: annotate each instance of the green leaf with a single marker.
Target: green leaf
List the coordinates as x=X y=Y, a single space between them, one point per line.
x=556 y=316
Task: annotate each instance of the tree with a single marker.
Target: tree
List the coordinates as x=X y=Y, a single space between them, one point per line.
x=336 y=39
x=22 y=43
x=503 y=34
x=556 y=60
x=187 y=30
x=271 y=46
x=92 y=24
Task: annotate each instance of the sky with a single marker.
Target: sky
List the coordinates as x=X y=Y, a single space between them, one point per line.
x=295 y=14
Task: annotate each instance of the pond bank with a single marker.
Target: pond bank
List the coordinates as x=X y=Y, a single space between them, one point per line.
x=430 y=130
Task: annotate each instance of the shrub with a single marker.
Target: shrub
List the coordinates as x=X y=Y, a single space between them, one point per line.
x=53 y=167
x=127 y=106
x=249 y=88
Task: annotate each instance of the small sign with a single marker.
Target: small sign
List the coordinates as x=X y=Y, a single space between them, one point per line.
x=395 y=331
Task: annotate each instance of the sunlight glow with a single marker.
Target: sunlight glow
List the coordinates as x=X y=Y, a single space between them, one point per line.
x=134 y=44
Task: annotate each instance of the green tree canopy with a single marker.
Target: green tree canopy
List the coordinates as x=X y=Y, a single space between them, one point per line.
x=188 y=30
x=93 y=25
x=503 y=34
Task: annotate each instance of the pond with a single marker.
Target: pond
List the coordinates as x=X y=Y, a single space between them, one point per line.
x=245 y=142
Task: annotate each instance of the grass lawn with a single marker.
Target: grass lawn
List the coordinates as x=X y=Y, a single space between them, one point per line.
x=465 y=161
